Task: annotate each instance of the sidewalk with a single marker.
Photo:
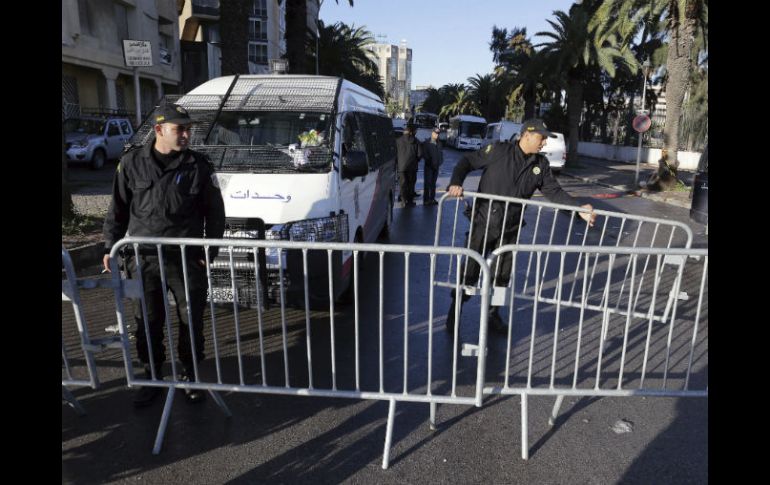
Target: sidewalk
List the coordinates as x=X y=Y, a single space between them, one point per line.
x=620 y=176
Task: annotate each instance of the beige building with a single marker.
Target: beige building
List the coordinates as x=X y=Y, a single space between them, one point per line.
x=394 y=64
x=94 y=74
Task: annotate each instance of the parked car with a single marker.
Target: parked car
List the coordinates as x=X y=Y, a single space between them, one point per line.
x=500 y=131
x=94 y=140
x=555 y=150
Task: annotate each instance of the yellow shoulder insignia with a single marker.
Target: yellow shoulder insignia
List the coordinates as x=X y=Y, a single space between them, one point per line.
x=118 y=169
x=488 y=149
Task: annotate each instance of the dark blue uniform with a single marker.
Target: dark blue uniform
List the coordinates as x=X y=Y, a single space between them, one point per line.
x=166 y=196
x=507 y=172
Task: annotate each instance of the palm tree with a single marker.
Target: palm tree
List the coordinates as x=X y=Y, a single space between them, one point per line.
x=685 y=26
x=461 y=104
x=433 y=102
x=342 y=52
x=514 y=54
x=575 y=49
x=483 y=92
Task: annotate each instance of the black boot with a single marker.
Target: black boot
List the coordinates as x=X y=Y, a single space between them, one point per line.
x=450 y=316
x=144 y=396
x=495 y=322
x=192 y=395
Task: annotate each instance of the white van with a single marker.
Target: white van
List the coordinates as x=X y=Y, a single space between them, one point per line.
x=555 y=151
x=466 y=131
x=300 y=158
x=500 y=131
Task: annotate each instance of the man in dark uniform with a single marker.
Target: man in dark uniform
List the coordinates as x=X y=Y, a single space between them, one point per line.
x=511 y=170
x=434 y=157
x=408 y=154
x=165 y=190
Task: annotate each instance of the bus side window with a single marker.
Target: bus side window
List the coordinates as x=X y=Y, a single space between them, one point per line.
x=352 y=138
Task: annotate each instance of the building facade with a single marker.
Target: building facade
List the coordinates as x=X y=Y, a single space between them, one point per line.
x=419 y=95
x=94 y=73
x=234 y=36
x=394 y=65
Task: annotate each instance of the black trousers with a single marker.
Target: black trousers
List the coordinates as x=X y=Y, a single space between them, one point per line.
x=430 y=175
x=501 y=270
x=406 y=181
x=156 y=313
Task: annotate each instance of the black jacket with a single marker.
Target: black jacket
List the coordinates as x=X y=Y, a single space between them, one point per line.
x=408 y=153
x=432 y=153
x=182 y=200
x=511 y=173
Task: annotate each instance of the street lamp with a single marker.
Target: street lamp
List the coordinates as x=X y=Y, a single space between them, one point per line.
x=645 y=69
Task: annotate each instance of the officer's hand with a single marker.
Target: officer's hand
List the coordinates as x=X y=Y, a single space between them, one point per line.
x=590 y=218
x=106 y=263
x=455 y=191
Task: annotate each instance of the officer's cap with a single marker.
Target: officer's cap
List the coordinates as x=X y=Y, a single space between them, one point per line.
x=172 y=113
x=535 y=125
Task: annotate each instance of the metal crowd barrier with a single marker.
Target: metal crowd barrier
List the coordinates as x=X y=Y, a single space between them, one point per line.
x=307 y=352
x=542 y=222
x=557 y=348
x=77 y=342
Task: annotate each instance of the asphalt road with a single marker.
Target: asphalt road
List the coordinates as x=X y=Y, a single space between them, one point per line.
x=302 y=440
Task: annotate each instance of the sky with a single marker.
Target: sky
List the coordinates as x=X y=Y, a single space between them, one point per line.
x=449 y=38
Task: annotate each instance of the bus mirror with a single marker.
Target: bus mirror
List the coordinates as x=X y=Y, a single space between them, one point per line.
x=354 y=165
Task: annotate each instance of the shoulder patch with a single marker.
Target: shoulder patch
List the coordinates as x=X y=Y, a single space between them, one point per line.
x=488 y=149
x=536 y=170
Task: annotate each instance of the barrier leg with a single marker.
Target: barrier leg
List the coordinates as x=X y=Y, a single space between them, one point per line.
x=72 y=401
x=221 y=403
x=524 y=430
x=389 y=434
x=555 y=411
x=163 y=421
x=433 y=416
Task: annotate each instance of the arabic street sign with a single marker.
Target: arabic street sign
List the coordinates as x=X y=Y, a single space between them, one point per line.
x=137 y=53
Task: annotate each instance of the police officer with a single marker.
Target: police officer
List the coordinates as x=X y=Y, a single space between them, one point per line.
x=408 y=154
x=512 y=170
x=166 y=190
x=434 y=157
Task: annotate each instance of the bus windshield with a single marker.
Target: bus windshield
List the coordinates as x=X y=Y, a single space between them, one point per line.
x=270 y=128
x=425 y=120
x=268 y=142
x=470 y=129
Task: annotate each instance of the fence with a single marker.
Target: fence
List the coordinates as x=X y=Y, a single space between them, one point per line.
x=617 y=309
x=77 y=341
x=339 y=357
x=627 y=333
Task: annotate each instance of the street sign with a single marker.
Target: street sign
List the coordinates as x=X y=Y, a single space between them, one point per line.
x=137 y=53
x=641 y=123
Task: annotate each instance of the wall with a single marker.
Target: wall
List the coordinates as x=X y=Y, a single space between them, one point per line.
x=687 y=160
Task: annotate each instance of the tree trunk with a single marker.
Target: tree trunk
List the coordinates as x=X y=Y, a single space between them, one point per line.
x=67 y=210
x=529 y=100
x=678 y=66
x=574 y=107
x=296 y=31
x=235 y=38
